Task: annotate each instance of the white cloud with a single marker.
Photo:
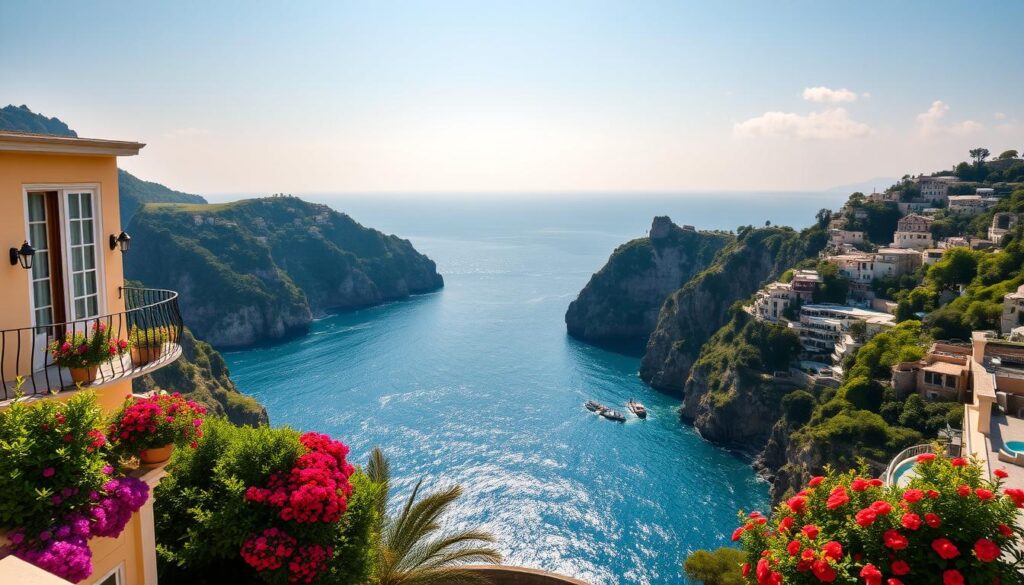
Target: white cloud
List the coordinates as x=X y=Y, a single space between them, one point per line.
x=825 y=94
x=932 y=122
x=866 y=95
x=831 y=124
x=999 y=116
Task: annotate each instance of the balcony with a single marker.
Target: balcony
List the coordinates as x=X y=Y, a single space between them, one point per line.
x=151 y=323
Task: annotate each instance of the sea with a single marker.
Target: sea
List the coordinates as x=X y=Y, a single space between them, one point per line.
x=479 y=385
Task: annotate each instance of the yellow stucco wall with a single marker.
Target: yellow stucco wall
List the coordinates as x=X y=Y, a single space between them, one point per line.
x=18 y=170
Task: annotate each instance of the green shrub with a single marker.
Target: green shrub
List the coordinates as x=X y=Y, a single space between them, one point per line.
x=798 y=406
x=716 y=567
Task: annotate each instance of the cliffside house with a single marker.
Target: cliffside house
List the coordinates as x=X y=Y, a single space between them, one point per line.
x=935 y=189
x=942 y=374
x=931 y=256
x=861 y=268
x=913 y=231
x=59 y=210
x=1012 y=317
x=1002 y=223
x=822 y=326
x=980 y=202
x=772 y=301
x=839 y=237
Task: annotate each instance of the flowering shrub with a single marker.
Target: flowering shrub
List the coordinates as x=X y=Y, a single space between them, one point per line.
x=58 y=488
x=949 y=525
x=266 y=504
x=155 y=421
x=78 y=350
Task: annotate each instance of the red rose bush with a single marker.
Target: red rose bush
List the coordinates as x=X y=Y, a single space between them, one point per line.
x=949 y=525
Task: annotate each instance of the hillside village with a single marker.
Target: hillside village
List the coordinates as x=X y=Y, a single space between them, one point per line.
x=911 y=255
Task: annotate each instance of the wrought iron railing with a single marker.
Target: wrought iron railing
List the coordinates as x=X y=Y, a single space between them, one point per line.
x=150 y=324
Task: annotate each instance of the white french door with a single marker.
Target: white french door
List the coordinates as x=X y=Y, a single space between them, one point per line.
x=81 y=260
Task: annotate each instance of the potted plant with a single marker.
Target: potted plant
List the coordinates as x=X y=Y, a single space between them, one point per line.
x=147 y=344
x=149 y=427
x=84 y=354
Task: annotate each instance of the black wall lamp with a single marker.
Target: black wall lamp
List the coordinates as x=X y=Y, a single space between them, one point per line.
x=23 y=255
x=122 y=239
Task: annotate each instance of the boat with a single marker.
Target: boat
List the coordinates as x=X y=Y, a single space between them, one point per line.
x=613 y=415
x=637 y=408
x=594 y=406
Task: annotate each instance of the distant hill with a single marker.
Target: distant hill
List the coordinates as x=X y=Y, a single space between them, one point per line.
x=134 y=192
x=259 y=270
x=22 y=119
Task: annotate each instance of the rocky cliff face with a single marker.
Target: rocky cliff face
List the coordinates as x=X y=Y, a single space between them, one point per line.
x=258 y=270
x=620 y=304
x=202 y=375
x=741 y=415
x=693 y=313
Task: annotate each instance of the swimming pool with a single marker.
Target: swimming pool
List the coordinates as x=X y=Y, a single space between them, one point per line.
x=901 y=471
x=1015 y=446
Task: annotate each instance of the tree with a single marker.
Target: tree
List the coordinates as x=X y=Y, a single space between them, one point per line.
x=1007 y=154
x=798 y=406
x=979 y=155
x=411 y=550
x=957 y=266
x=716 y=567
x=823 y=217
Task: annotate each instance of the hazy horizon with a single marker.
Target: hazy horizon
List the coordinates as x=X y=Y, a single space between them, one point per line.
x=460 y=96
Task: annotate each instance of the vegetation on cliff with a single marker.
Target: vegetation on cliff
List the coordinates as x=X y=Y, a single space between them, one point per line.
x=22 y=119
x=259 y=269
x=692 y=314
x=620 y=304
x=202 y=375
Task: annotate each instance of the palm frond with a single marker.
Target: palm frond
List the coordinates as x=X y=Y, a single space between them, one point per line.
x=378 y=469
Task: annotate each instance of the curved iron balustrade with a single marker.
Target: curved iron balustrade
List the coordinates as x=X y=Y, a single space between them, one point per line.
x=23 y=352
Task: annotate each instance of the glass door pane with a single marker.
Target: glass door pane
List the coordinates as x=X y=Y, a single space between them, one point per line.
x=82 y=252
x=38 y=237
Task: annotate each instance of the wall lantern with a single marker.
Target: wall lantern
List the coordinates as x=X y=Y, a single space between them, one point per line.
x=122 y=239
x=23 y=255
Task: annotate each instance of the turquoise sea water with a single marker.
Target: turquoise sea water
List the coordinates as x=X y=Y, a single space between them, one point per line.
x=478 y=384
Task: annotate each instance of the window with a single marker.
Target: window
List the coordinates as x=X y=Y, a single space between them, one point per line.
x=950 y=381
x=82 y=251
x=933 y=378
x=38 y=236
x=115 y=577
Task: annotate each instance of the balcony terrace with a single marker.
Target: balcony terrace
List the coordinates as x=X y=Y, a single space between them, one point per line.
x=151 y=323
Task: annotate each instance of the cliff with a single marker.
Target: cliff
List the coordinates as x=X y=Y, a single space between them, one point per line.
x=692 y=314
x=620 y=304
x=258 y=270
x=22 y=119
x=202 y=375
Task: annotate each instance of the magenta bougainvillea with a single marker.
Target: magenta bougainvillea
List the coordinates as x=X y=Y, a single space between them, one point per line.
x=156 y=421
x=313 y=493
x=63 y=549
x=949 y=525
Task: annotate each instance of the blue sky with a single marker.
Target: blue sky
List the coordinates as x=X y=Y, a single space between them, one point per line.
x=524 y=96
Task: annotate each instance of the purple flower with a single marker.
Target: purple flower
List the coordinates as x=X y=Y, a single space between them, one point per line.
x=49 y=471
x=107 y=470
x=45 y=535
x=56 y=500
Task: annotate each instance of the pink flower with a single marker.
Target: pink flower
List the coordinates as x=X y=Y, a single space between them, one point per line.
x=49 y=472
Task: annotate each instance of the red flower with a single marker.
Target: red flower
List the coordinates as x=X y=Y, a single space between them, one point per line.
x=823 y=571
x=866 y=517
x=958 y=462
x=815 y=481
x=796 y=504
x=871 y=574
x=911 y=521
x=811 y=531
x=859 y=484
x=745 y=569
x=736 y=534
x=839 y=498
x=881 y=507
x=793 y=548
x=1005 y=530
x=1000 y=473
x=952 y=577
x=786 y=524
x=986 y=550
x=900 y=568
x=945 y=548
x=932 y=520
x=1017 y=495
x=933 y=494
x=925 y=457
x=833 y=550
x=893 y=581
x=913 y=495
x=984 y=494
x=875 y=482
x=963 y=491
x=894 y=540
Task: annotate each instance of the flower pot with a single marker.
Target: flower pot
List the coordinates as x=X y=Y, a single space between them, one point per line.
x=143 y=355
x=84 y=375
x=156 y=455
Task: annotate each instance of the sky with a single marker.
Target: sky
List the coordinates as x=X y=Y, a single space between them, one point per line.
x=518 y=97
